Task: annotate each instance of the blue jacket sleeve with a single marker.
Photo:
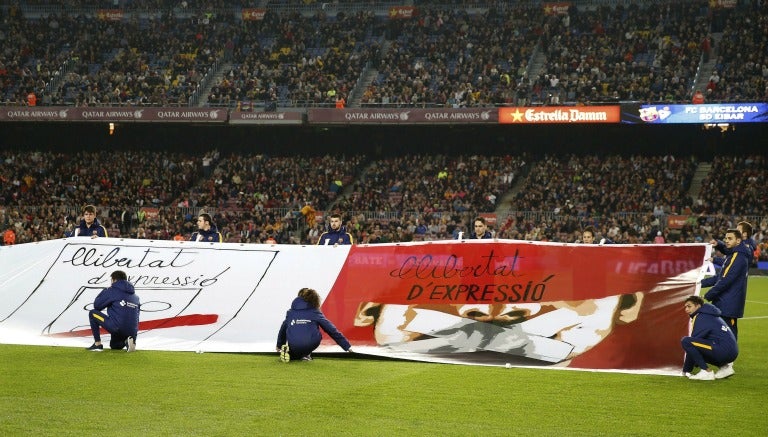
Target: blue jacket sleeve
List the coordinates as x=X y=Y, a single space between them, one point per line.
x=103 y=300
x=281 y=334
x=331 y=330
x=729 y=275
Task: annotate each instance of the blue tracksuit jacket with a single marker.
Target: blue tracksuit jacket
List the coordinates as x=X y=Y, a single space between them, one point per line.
x=301 y=329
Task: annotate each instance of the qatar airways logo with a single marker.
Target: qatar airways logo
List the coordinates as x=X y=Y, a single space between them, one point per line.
x=374 y=116
x=212 y=114
x=452 y=115
x=31 y=114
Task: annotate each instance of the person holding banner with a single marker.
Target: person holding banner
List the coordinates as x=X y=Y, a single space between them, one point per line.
x=299 y=334
x=89 y=225
x=588 y=237
x=335 y=234
x=711 y=341
x=206 y=230
x=481 y=231
x=122 y=317
x=729 y=286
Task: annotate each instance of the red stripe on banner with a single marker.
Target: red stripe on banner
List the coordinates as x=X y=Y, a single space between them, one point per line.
x=172 y=322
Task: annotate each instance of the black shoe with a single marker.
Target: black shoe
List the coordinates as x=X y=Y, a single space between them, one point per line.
x=95 y=348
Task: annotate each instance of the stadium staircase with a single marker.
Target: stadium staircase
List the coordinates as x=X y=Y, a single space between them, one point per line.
x=506 y=203
x=366 y=79
x=537 y=64
x=209 y=81
x=701 y=173
x=705 y=68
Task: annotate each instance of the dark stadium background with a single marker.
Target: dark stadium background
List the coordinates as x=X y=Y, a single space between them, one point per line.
x=386 y=141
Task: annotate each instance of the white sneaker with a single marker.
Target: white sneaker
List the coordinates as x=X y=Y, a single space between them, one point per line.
x=703 y=375
x=725 y=371
x=131 y=344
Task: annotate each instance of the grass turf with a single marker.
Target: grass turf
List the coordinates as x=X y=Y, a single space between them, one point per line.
x=68 y=391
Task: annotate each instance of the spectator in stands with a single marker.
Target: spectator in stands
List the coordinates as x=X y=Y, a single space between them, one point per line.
x=89 y=225
x=9 y=237
x=206 y=230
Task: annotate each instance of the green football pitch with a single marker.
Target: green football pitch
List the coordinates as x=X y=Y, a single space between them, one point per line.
x=60 y=391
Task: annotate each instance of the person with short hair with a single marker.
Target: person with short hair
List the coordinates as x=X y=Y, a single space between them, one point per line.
x=122 y=317
x=299 y=334
x=89 y=225
x=588 y=237
x=206 y=230
x=480 y=231
x=336 y=233
x=711 y=341
x=728 y=290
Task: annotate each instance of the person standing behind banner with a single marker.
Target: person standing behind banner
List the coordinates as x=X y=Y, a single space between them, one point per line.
x=206 y=230
x=588 y=237
x=122 y=317
x=710 y=342
x=480 y=231
x=335 y=234
x=746 y=239
x=729 y=287
x=89 y=225
x=299 y=335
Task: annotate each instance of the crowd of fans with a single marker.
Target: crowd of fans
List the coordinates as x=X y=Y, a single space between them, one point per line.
x=255 y=198
x=468 y=54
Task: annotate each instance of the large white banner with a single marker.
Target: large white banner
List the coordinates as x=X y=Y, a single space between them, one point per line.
x=488 y=302
x=194 y=296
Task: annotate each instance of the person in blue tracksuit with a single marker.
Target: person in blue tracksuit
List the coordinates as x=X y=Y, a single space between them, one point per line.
x=729 y=286
x=480 y=231
x=89 y=225
x=711 y=341
x=299 y=334
x=206 y=230
x=122 y=317
x=335 y=234
x=746 y=239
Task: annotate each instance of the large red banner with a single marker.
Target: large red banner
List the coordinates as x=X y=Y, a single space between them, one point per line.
x=496 y=302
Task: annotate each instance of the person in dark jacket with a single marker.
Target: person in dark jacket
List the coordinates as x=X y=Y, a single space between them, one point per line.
x=206 y=230
x=89 y=225
x=299 y=334
x=711 y=341
x=335 y=234
x=122 y=317
x=481 y=231
x=588 y=237
x=729 y=286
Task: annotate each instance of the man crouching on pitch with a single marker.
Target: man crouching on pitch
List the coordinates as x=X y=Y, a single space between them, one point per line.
x=122 y=318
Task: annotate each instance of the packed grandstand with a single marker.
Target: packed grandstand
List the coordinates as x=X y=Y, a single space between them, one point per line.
x=256 y=55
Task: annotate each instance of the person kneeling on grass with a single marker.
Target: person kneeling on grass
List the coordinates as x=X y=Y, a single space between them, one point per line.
x=711 y=341
x=299 y=334
x=122 y=318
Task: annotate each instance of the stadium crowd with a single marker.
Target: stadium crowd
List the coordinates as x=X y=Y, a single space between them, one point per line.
x=256 y=197
x=166 y=53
